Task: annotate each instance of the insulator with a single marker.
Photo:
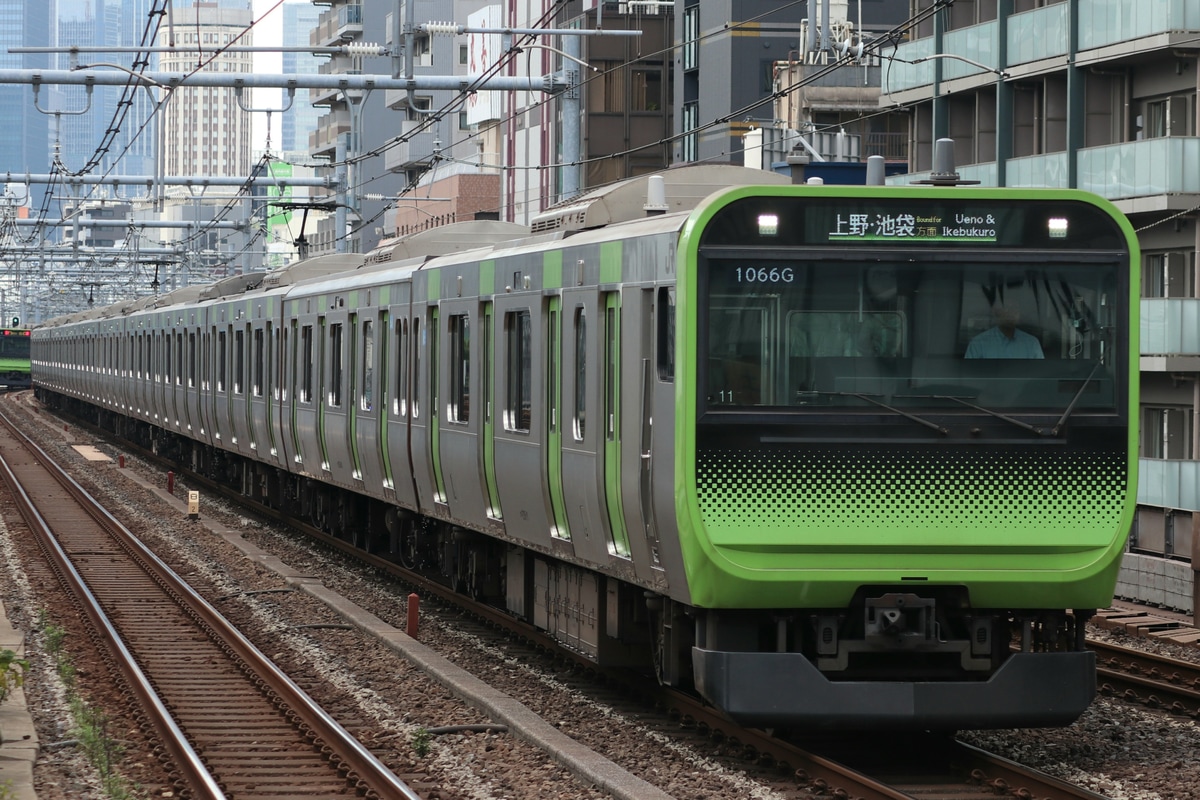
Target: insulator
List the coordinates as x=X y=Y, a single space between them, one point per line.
x=363 y=49
x=441 y=28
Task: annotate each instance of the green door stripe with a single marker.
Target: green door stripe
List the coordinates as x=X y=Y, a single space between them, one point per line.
x=612 y=432
x=554 y=420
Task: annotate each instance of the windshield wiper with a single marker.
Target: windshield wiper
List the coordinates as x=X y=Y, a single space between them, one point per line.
x=868 y=398
x=961 y=401
x=1079 y=393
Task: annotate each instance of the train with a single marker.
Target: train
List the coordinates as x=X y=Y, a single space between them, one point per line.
x=14 y=359
x=760 y=440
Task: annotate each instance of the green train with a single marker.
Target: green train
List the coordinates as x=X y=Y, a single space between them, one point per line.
x=834 y=457
x=14 y=358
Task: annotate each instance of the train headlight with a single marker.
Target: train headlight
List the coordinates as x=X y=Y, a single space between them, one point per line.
x=1057 y=227
x=768 y=224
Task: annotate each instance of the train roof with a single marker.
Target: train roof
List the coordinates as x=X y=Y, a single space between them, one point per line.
x=683 y=189
x=445 y=239
x=312 y=268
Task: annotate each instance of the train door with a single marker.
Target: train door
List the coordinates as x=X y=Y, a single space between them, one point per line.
x=325 y=396
x=610 y=375
x=220 y=416
x=422 y=395
x=519 y=396
x=398 y=352
x=638 y=455
x=239 y=405
x=268 y=384
x=460 y=413
x=582 y=464
x=370 y=376
x=559 y=524
x=487 y=387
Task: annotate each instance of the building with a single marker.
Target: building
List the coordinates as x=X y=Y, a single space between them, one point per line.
x=300 y=118
x=25 y=147
x=1098 y=95
x=205 y=131
x=727 y=66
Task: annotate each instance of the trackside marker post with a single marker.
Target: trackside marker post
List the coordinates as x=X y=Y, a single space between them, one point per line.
x=170 y=483
x=193 y=505
x=414 y=607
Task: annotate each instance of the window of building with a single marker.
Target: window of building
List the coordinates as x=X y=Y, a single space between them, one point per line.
x=691 y=120
x=1166 y=432
x=1169 y=274
x=691 y=37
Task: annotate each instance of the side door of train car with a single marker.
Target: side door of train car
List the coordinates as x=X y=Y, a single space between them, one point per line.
x=397 y=354
x=634 y=449
x=240 y=337
x=520 y=414
x=423 y=422
x=262 y=402
x=176 y=389
x=192 y=332
x=463 y=409
x=220 y=334
x=307 y=334
x=580 y=459
x=368 y=407
x=333 y=427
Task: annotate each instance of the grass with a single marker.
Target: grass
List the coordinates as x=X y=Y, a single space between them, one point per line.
x=90 y=727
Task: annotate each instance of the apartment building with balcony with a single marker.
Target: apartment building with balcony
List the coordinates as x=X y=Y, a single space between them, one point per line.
x=1098 y=95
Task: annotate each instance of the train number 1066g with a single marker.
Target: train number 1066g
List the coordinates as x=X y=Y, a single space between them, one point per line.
x=765 y=275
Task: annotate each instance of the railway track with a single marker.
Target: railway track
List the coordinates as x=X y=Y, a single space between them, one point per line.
x=230 y=723
x=1150 y=679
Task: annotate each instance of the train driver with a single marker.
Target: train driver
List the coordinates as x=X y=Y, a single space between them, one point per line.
x=1004 y=339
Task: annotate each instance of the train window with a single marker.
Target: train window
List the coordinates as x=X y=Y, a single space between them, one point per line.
x=580 y=426
x=367 y=401
x=402 y=376
x=431 y=329
x=222 y=344
x=259 y=355
x=165 y=342
x=179 y=359
x=306 y=364
x=553 y=368
x=666 y=333
x=191 y=380
x=239 y=362
x=459 y=409
x=335 y=365
x=416 y=371
x=611 y=374
x=518 y=408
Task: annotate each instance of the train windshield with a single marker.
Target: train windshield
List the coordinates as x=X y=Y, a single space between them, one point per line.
x=997 y=330
x=14 y=344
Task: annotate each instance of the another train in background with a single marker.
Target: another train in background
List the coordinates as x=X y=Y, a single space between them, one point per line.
x=14 y=358
x=732 y=431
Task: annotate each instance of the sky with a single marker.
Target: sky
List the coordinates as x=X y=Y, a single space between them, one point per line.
x=267 y=33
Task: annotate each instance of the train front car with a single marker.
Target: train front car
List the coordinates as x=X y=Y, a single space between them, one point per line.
x=907 y=460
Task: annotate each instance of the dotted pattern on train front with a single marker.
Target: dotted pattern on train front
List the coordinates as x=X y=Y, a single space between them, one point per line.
x=927 y=488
